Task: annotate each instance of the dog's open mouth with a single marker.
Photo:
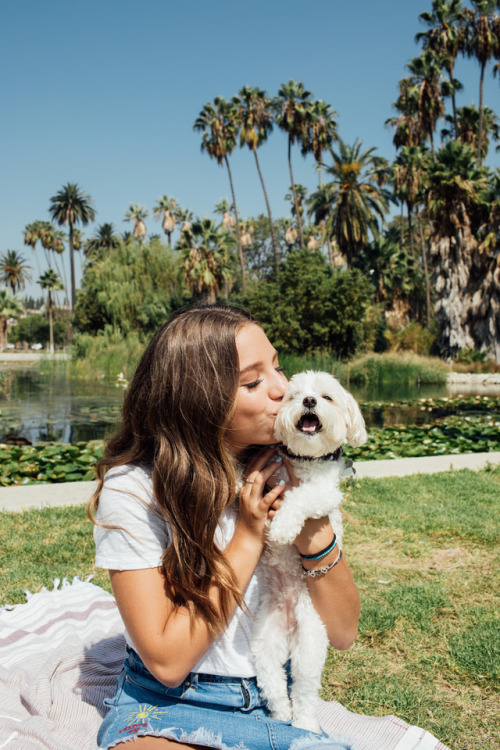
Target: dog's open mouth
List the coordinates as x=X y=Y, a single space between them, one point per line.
x=309 y=423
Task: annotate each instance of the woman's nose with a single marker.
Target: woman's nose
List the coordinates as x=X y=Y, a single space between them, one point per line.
x=277 y=391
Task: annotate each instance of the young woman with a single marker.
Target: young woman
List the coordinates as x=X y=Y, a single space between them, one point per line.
x=182 y=544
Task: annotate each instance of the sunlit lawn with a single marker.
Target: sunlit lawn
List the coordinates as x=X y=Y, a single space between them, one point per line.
x=423 y=550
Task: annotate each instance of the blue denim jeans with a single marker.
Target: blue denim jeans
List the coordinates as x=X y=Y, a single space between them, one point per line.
x=220 y=712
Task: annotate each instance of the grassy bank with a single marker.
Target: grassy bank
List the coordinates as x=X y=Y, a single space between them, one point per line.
x=423 y=552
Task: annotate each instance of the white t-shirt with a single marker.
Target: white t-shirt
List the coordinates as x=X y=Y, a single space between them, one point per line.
x=126 y=500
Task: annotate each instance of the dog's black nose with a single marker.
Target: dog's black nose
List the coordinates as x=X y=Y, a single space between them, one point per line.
x=309 y=402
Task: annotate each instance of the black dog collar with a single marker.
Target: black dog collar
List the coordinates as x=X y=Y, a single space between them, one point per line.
x=328 y=457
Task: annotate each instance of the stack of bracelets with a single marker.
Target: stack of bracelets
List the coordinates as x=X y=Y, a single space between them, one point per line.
x=319 y=556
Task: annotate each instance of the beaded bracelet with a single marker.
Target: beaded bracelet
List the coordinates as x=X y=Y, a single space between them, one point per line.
x=321 y=571
x=323 y=552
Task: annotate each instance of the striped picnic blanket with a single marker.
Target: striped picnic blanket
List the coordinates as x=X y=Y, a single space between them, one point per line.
x=61 y=652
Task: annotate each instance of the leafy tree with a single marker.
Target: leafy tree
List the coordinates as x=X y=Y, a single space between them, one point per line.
x=132 y=287
x=13 y=270
x=50 y=282
x=254 y=115
x=483 y=43
x=205 y=251
x=218 y=125
x=311 y=308
x=10 y=307
x=137 y=214
x=71 y=206
x=35 y=329
x=353 y=203
x=292 y=115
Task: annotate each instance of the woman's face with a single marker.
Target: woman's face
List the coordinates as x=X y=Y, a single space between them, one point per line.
x=260 y=390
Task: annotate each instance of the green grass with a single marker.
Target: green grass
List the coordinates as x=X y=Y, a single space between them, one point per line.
x=423 y=551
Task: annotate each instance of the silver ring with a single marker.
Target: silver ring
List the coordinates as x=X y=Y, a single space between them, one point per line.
x=247 y=480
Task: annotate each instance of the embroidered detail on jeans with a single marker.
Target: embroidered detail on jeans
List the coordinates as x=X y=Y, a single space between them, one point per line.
x=145 y=712
x=132 y=728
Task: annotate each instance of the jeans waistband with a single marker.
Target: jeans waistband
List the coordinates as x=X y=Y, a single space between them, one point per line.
x=193 y=677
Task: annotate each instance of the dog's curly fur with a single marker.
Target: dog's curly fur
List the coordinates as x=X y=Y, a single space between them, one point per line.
x=316 y=417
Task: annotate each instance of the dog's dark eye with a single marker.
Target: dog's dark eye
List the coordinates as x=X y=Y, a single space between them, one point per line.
x=327 y=398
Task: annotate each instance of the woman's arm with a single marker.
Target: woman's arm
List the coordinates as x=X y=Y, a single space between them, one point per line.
x=162 y=633
x=334 y=593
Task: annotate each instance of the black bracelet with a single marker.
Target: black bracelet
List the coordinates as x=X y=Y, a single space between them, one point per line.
x=323 y=552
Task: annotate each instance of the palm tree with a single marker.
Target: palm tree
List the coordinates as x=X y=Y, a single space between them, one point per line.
x=468 y=127
x=407 y=123
x=104 y=239
x=224 y=209
x=352 y=204
x=206 y=267
x=217 y=123
x=410 y=170
x=446 y=37
x=466 y=304
x=166 y=209
x=31 y=239
x=292 y=107
x=137 y=214
x=50 y=281
x=483 y=43
x=13 y=270
x=10 y=307
x=322 y=131
x=71 y=206
x=254 y=116
x=426 y=71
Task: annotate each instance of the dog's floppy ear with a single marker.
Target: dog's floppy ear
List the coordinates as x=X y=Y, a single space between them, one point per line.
x=356 y=430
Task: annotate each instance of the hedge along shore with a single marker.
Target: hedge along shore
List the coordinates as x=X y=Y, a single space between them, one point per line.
x=21 y=497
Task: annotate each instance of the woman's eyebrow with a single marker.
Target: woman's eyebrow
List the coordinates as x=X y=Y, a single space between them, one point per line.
x=256 y=365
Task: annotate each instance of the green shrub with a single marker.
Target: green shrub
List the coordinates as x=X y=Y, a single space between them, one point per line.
x=412 y=338
x=106 y=355
x=374 y=368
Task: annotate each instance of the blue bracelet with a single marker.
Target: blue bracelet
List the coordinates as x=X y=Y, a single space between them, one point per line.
x=323 y=552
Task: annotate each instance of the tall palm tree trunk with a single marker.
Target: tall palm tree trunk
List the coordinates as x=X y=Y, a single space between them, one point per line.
x=480 y=127
x=271 y=225
x=238 y=232
x=426 y=273
x=453 y=104
x=72 y=264
x=51 y=326
x=410 y=230
x=296 y=200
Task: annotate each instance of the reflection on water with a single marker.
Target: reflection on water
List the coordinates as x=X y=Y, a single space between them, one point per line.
x=54 y=408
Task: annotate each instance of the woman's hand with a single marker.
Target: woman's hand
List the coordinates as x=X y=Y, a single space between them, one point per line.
x=258 y=503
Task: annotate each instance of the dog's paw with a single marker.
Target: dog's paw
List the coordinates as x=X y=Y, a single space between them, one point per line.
x=282 y=713
x=282 y=532
x=307 y=722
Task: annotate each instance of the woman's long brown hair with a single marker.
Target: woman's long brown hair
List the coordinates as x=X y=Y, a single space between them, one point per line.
x=175 y=416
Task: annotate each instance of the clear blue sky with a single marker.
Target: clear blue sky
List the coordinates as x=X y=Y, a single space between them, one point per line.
x=105 y=92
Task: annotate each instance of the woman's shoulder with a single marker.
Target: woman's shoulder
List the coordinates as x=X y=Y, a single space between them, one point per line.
x=127 y=488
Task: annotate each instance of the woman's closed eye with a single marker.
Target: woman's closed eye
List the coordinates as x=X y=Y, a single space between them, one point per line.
x=253 y=385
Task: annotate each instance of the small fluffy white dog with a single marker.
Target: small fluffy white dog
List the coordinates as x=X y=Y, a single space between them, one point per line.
x=316 y=417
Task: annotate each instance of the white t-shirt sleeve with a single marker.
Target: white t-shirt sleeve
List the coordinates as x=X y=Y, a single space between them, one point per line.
x=126 y=501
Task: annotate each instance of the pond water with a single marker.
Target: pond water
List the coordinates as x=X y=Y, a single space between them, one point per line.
x=54 y=408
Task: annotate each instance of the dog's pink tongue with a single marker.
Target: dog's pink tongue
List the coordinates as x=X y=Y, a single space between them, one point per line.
x=309 y=424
